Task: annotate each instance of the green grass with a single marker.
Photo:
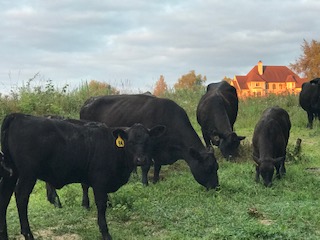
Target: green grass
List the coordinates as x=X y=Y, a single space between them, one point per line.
x=179 y=208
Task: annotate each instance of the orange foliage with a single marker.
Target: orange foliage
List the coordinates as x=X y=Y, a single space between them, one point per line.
x=161 y=87
x=97 y=88
x=190 y=81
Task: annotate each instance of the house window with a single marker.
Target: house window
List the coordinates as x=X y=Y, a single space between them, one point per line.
x=257 y=84
x=280 y=86
x=274 y=86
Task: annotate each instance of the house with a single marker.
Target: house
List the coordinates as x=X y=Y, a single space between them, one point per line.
x=264 y=80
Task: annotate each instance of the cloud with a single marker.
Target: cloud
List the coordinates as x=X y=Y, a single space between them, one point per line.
x=137 y=41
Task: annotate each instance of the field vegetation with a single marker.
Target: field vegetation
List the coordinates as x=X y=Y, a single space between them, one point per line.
x=178 y=207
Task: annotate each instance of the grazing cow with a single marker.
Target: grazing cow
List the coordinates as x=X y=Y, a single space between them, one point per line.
x=180 y=141
x=216 y=113
x=269 y=141
x=309 y=100
x=61 y=152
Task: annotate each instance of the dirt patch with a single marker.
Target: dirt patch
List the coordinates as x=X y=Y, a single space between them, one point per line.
x=253 y=212
x=266 y=222
x=314 y=169
x=49 y=234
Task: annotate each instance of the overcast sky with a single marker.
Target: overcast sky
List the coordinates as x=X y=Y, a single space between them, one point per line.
x=129 y=44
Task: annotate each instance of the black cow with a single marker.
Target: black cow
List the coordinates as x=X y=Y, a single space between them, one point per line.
x=61 y=152
x=216 y=113
x=309 y=100
x=179 y=142
x=269 y=141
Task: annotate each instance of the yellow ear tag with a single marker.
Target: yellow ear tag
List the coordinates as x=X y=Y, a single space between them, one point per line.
x=119 y=142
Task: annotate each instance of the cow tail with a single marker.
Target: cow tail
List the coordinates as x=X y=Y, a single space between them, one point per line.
x=5 y=158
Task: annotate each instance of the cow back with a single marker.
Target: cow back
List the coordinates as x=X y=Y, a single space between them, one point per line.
x=309 y=97
x=271 y=133
x=219 y=97
x=125 y=110
x=51 y=149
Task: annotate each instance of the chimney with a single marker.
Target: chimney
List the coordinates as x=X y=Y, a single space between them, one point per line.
x=260 y=68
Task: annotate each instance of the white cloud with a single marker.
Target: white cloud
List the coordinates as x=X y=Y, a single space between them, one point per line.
x=137 y=41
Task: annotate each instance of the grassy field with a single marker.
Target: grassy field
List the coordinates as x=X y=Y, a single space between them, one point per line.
x=179 y=208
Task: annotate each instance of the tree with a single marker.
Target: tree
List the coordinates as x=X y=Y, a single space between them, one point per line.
x=161 y=87
x=190 y=81
x=99 y=88
x=308 y=63
x=227 y=79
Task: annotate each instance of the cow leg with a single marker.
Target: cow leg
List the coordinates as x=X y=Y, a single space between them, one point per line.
x=278 y=174
x=53 y=196
x=282 y=169
x=206 y=138
x=135 y=170
x=7 y=186
x=257 y=174
x=101 y=197
x=23 y=190
x=310 y=120
x=156 y=173
x=145 y=169
x=85 y=196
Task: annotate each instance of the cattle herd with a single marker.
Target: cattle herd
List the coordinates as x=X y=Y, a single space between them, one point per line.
x=119 y=132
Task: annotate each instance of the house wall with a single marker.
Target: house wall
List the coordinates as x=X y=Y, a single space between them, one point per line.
x=257 y=89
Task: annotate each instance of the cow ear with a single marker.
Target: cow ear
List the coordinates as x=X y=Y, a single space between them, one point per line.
x=157 y=131
x=120 y=132
x=195 y=154
x=278 y=160
x=120 y=135
x=240 y=138
x=256 y=159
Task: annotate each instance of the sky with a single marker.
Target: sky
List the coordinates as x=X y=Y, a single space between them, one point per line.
x=130 y=43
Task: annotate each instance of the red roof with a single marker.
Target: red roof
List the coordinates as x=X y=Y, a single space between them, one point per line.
x=242 y=81
x=271 y=74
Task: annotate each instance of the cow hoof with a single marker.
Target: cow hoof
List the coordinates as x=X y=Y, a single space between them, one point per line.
x=28 y=236
x=155 y=181
x=107 y=237
x=57 y=204
x=86 y=206
x=145 y=184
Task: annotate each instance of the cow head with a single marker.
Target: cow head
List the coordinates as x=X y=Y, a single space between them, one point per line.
x=137 y=141
x=205 y=167
x=229 y=144
x=265 y=166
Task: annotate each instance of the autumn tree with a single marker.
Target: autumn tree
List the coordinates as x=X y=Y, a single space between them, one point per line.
x=100 y=88
x=161 y=87
x=190 y=81
x=308 y=63
x=227 y=79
